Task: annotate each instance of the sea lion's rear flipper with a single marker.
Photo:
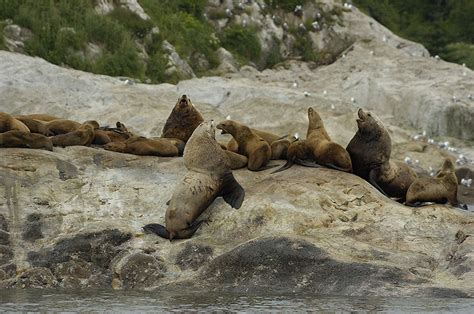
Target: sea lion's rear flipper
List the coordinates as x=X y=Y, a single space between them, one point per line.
x=308 y=163
x=417 y=204
x=157 y=229
x=288 y=165
x=462 y=206
x=281 y=138
x=232 y=191
x=266 y=167
x=336 y=167
x=374 y=183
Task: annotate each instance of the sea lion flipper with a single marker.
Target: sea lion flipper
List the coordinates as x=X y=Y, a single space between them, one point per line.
x=157 y=229
x=374 y=183
x=307 y=163
x=232 y=191
x=266 y=167
x=287 y=165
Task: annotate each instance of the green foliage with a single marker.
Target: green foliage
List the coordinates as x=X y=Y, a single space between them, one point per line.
x=304 y=48
x=441 y=26
x=181 y=23
x=274 y=56
x=156 y=68
x=242 y=41
x=287 y=5
x=460 y=53
x=132 y=21
x=2 y=38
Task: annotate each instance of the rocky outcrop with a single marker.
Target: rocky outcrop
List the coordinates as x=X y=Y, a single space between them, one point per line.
x=72 y=217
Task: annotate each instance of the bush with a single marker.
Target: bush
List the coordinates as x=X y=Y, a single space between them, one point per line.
x=243 y=42
x=287 y=5
x=132 y=21
x=460 y=53
x=156 y=68
x=303 y=47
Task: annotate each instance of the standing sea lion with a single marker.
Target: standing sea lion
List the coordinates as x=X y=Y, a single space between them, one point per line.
x=318 y=149
x=82 y=136
x=184 y=118
x=208 y=177
x=440 y=189
x=8 y=123
x=25 y=140
x=371 y=146
x=256 y=149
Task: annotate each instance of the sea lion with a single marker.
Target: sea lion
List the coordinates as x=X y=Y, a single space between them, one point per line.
x=35 y=126
x=280 y=147
x=184 y=118
x=62 y=126
x=440 y=189
x=237 y=161
x=104 y=135
x=38 y=116
x=371 y=146
x=209 y=176
x=318 y=149
x=8 y=123
x=82 y=136
x=394 y=178
x=22 y=139
x=255 y=148
x=142 y=146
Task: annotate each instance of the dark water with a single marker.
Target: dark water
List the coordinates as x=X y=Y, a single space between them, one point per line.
x=140 y=301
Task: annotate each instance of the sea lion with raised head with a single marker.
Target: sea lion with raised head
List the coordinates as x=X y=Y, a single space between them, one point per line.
x=209 y=176
x=256 y=149
x=9 y=123
x=182 y=121
x=104 y=135
x=142 y=146
x=440 y=189
x=82 y=136
x=371 y=146
x=317 y=149
x=22 y=139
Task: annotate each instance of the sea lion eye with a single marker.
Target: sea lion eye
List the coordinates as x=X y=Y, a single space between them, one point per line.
x=369 y=115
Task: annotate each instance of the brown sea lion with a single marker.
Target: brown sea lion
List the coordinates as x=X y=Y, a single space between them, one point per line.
x=280 y=147
x=233 y=146
x=440 y=189
x=8 y=123
x=35 y=126
x=22 y=139
x=38 y=116
x=62 y=126
x=142 y=146
x=371 y=146
x=82 y=136
x=237 y=161
x=184 y=118
x=318 y=149
x=209 y=176
x=256 y=149
x=104 y=135
x=394 y=178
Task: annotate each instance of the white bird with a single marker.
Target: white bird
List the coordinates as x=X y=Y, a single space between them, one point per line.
x=333 y=107
x=436 y=57
x=408 y=160
x=307 y=94
x=384 y=39
x=228 y=12
x=295 y=85
x=325 y=92
x=227 y=118
x=353 y=100
x=466 y=182
x=430 y=141
x=297 y=135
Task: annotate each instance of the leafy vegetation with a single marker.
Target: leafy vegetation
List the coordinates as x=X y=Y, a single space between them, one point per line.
x=287 y=5
x=444 y=27
x=242 y=42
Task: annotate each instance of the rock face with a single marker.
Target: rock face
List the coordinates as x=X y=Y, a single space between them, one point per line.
x=72 y=217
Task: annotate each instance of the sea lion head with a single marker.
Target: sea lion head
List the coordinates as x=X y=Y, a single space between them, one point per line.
x=184 y=102
x=314 y=119
x=448 y=166
x=207 y=129
x=368 y=123
x=227 y=127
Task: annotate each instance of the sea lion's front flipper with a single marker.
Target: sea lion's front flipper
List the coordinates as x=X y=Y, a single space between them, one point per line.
x=288 y=165
x=374 y=183
x=191 y=230
x=462 y=206
x=232 y=191
x=157 y=229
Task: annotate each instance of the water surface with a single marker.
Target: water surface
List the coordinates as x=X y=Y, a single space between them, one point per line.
x=146 y=301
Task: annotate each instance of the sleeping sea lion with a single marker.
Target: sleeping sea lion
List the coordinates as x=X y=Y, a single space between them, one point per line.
x=209 y=176
x=25 y=140
x=8 y=123
x=142 y=146
x=82 y=136
x=35 y=126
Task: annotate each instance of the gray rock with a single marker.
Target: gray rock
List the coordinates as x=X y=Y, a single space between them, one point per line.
x=193 y=256
x=32 y=278
x=78 y=273
x=32 y=228
x=176 y=64
x=140 y=270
